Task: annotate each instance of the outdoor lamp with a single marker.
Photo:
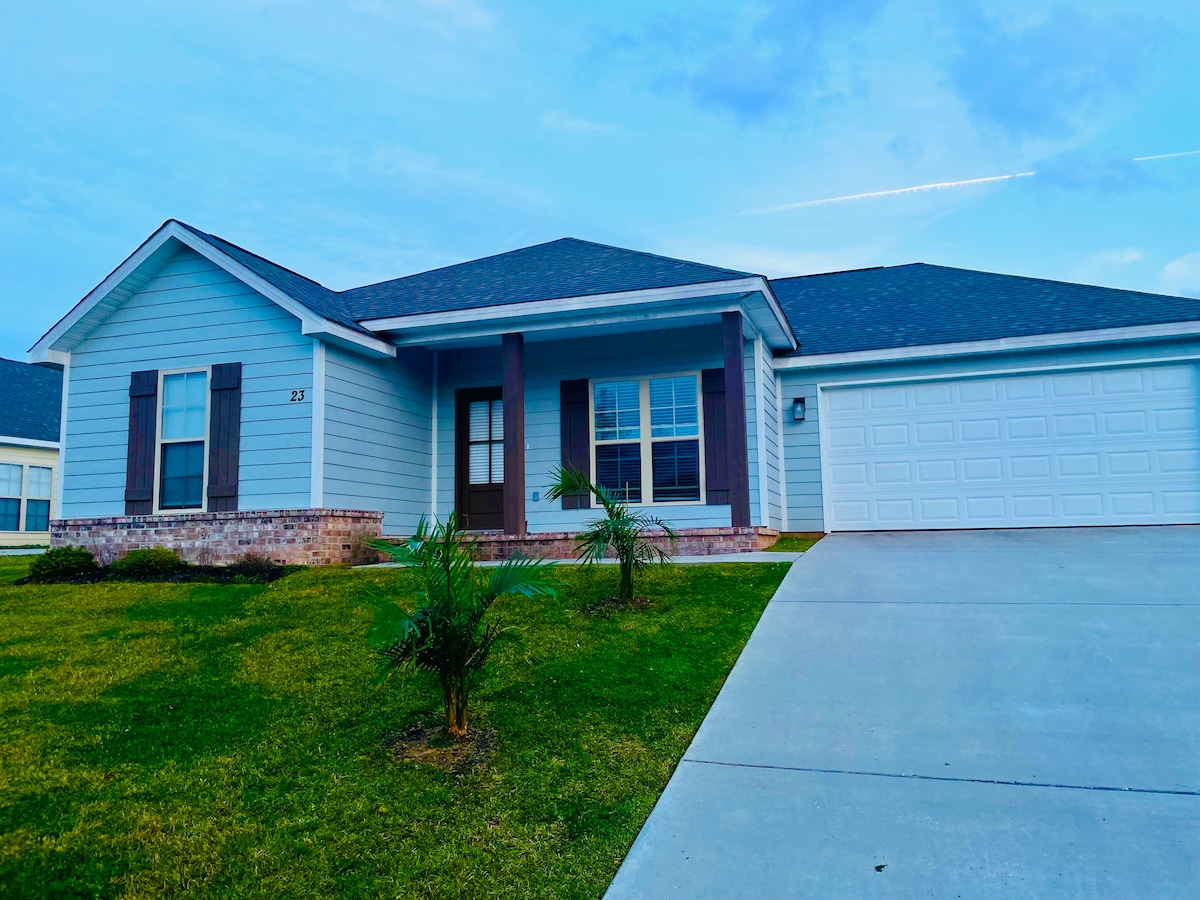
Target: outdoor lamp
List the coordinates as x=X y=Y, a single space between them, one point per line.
x=798 y=409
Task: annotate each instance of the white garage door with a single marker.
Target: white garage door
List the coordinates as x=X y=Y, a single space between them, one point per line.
x=1100 y=447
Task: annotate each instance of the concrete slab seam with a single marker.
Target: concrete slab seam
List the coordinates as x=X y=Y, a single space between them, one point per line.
x=1072 y=787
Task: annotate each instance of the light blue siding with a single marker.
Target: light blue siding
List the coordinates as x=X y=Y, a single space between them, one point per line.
x=802 y=447
x=192 y=313
x=548 y=364
x=771 y=414
x=378 y=415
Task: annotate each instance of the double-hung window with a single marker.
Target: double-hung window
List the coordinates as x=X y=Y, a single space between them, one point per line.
x=12 y=478
x=183 y=430
x=647 y=438
x=28 y=487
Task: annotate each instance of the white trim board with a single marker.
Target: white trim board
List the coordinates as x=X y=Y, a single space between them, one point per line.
x=58 y=339
x=495 y=316
x=316 y=482
x=30 y=442
x=971 y=348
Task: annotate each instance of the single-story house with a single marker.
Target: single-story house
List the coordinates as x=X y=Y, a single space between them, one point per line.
x=30 y=413
x=219 y=403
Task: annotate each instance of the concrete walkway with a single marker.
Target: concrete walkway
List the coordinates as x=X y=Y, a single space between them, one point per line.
x=955 y=714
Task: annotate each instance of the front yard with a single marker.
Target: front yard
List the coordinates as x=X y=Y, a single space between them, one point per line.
x=224 y=740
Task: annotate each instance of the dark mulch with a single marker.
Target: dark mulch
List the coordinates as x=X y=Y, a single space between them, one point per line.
x=433 y=746
x=230 y=574
x=609 y=605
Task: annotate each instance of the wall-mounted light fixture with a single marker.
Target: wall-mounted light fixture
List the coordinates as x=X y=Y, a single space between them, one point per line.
x=798 y=409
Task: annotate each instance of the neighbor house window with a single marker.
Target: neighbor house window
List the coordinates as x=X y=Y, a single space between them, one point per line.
x=11 y=481
x=182 y=432
x=37 y=506
x=647 y=438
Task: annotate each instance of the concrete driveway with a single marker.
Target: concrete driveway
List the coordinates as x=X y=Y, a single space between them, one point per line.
x=951 y=714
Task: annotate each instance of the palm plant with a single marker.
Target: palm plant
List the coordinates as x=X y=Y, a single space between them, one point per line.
x=447 y=633
x=621 y=529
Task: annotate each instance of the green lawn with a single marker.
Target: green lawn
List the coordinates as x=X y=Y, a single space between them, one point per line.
x=223 y=740
x=792 y=544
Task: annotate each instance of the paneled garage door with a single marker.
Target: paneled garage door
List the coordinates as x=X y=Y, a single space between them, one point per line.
x=1114 y=446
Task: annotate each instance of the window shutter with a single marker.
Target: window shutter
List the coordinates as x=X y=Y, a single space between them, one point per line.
x=139 y=463
x=716 y=465
x=224 y=437
x=576 y=452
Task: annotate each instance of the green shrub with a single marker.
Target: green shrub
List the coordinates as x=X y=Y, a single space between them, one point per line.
x=63 y=564
x=254 y=567
x=148 y=563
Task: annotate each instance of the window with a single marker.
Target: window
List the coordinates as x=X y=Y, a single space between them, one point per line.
x=486 y=439
x=11 y=479
x=28 y=485
x=638 y=426
x=37 y=507
x=182 y=432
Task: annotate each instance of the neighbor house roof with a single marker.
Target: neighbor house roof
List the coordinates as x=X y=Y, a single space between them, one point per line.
x=918 y=304
x=31 y=403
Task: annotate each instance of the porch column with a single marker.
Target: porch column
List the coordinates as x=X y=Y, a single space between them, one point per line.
x=512 y=367
x=737 y=454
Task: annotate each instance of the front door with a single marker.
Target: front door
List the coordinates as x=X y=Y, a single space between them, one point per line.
x=479 y=458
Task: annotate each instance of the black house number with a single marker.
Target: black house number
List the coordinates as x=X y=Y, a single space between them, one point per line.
x=297 y=396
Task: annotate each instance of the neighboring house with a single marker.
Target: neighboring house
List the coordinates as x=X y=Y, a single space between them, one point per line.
x=218 y=402
x=30 y=412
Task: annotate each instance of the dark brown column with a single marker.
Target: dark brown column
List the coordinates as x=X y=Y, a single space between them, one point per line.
x=512 y=366
x=737 y=455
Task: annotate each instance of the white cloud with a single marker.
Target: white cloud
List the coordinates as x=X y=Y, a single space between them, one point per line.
x=1182 y=276
x=560 y=121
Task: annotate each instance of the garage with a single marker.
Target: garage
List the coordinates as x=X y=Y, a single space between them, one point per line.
x=1098 y=446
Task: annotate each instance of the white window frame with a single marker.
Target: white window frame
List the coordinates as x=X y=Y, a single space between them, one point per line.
x=644 y=440
x=158 y=440
x=23 y=498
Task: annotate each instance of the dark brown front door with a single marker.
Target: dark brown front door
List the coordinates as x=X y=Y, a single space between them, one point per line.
x=479 y=458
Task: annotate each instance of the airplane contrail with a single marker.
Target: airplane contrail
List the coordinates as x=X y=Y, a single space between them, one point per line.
x=935 y=186
x=1167 y=156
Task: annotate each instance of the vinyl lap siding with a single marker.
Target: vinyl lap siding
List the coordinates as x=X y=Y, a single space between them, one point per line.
x=191 y=314
x=802 y=451
x=770 y=432
x=377 y=436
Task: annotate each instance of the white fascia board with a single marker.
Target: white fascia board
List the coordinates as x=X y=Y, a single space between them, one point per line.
x=310 y=323
x=549 y=327
x=496 y=317
x=28 y=442
x=777 y=311
x=1000 y=345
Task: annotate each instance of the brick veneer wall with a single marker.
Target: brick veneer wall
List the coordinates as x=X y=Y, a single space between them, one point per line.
x=692 y=542
x=292 y=536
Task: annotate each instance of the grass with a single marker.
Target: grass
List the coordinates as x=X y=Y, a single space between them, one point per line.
x=793 y=544
x=223 y=740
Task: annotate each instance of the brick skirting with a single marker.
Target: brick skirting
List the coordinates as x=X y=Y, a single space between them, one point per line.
x=292 y=536
x=561 y=544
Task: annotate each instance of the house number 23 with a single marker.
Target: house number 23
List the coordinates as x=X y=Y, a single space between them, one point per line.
x=297 y=396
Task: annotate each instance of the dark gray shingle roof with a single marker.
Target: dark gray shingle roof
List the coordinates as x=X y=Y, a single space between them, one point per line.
x=30 y=401
x=918 y=304
x=567 y=267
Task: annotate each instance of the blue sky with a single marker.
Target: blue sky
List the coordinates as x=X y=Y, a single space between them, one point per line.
x=367 y=139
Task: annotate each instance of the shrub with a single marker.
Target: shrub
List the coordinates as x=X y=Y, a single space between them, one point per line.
x=148 y=563
x=255 y=567
x=63 y=564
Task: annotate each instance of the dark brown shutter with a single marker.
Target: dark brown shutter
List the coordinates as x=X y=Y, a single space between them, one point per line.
x=139 y=463
x=576 y=454
x=716 y=465
x=224 y=437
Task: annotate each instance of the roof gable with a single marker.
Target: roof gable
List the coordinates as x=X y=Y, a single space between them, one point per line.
x=920 y=304
x=567 y=267
x=32 y=401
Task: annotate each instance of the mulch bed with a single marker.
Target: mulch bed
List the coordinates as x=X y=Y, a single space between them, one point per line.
x=433 y=746
x=609 y=605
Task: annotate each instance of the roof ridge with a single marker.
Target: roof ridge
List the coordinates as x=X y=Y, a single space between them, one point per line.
x=239 y=247
x=560 y=240
x=1054 y=281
